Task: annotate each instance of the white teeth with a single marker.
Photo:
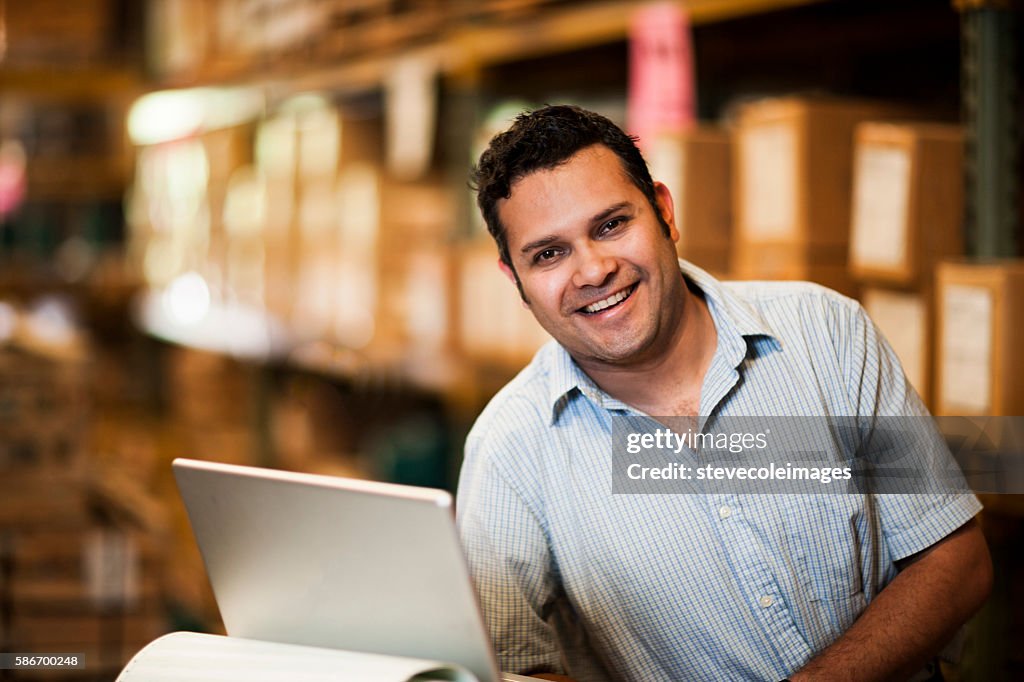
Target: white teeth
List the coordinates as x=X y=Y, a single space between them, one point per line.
x=608 y=302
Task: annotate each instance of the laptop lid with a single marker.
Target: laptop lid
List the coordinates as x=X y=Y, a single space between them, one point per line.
x=336 y=563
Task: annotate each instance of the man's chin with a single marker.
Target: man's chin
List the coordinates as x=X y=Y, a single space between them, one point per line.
x=614 y=354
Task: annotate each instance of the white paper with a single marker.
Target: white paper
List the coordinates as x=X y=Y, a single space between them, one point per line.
x=318 y=213
x=482 y=303
x=668 y=165
x=880 y=204
x=319 y=143
x=356 y=301
x=315 y=305
x=212 y=658
x=411 y=92
x=903 y=319
x=426 y=295
x=358 y=208
x=768 y=168
x=277 y=146
x=356 y=294
x=966 y=353
x=111 y=567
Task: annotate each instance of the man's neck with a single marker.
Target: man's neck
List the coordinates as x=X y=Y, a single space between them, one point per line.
x=669 y=384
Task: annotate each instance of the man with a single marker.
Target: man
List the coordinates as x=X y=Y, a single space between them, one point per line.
x=577 y=581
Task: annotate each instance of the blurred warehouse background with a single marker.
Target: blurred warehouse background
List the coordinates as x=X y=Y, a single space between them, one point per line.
x=240 y=230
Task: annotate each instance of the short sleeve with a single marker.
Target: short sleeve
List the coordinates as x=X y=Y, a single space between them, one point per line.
x=931 y=500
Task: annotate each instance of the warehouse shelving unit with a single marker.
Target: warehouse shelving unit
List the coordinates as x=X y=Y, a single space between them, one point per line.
x=951 y=61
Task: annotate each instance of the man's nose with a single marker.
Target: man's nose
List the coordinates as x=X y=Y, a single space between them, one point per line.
x=594 y=267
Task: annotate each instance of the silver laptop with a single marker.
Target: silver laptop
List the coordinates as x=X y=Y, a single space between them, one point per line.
x=336 y=563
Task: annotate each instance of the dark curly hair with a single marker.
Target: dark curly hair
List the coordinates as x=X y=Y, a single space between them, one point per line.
x=542 y=140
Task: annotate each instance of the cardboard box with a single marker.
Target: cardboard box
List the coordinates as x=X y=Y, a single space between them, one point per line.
x=980 y=321
x=210 y=391
x=908 y=201
x=416 y=267
x=427 y=301
x=696 y=168
x=793 y=168
x=493 y=323
x=905 y=319
x=107 y=640
x=357 y=256
x=317 y=294
x=73 y=573
x=823 y=265
x=44 y=497
x=55 y=32
x=44 y=409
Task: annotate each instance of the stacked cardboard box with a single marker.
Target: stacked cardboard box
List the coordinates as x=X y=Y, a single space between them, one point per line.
x=905 y=319
x=493 y=323
x=43 y=409
x=416 y=267
x=908 y=201
x=213 y=405
x=55 y=32
x=318 y=148
x=77 y=573
x=88 y=589
x=275 y=154
x=907 y=215
x=696 y=167
x=792 y=188
x=980 y=307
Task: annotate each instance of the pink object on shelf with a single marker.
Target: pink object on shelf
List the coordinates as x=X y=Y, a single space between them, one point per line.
x=662 y=93
x=12 y=177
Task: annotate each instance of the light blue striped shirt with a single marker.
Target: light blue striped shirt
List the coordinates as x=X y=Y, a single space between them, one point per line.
x=574 y=579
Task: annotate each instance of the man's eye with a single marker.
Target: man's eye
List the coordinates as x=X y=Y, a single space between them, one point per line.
x=547 y=255
x=611 y=225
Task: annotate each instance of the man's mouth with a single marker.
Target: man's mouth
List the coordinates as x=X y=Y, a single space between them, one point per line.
x=610 y=302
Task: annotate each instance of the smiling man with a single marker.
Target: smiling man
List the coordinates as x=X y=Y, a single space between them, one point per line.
x=577 y=581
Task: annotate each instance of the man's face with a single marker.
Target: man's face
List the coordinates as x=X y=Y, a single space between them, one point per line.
x=594 y=263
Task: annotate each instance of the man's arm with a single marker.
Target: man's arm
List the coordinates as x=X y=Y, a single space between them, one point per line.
x=936 y=591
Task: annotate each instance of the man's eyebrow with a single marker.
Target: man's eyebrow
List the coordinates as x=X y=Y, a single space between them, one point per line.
x=544 y=241
x=614 y=208
x=596 y=218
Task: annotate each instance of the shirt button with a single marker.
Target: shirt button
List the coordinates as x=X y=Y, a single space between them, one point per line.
x=724 y=512
x=766 y=601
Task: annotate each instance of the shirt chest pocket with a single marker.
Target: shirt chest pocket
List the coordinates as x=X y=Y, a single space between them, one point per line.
x=827 y=539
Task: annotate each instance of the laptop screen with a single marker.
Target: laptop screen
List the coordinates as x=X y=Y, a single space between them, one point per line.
x=335 y=563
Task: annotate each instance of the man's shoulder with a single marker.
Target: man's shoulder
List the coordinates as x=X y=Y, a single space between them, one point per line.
x=521 y=405
x=793 y=302
x=784 y=292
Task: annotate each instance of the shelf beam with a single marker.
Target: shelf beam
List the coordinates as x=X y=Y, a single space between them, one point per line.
x=64 y=84
x=560 y=30
x=464 y=48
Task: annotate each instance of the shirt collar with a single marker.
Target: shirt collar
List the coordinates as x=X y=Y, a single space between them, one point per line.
x=734 y=319
x=566 y=379
x=734 y=311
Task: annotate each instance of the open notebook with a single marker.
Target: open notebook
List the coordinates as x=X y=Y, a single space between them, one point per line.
x=319 y=575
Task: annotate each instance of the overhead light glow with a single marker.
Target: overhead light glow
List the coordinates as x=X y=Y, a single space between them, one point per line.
x=163 y=116
x=173 y=114
x=187 y=299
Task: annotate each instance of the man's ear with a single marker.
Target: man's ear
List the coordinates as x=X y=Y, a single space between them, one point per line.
x=511 y=274
x=667 y=209
x=508 y=271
